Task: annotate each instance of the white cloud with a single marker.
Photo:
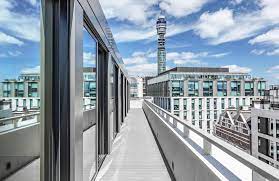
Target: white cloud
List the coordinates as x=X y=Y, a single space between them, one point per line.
x=238 y=69
x=25 y=26
x=274 y=71
x=237 y=26
x=269 y=38
x=128 y=35
x=220 y=55
x=236 y=2
x=32 y=2
x=272 y=53
x=89 y=58
x=7 y=39
x=210 y=25
x=273 y=68
x=258 y=52
x=31 y=70
x=134 y=11
x=136 y=58
x=143 y=69
x=191 y=57
x=180 y=8
x=10 y=54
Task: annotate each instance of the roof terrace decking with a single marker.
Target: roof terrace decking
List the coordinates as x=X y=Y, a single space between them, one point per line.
x=135 y=155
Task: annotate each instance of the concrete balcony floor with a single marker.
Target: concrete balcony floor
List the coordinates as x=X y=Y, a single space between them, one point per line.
x=135 y=154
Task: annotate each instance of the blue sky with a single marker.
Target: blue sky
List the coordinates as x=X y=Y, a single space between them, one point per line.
x=240 y=34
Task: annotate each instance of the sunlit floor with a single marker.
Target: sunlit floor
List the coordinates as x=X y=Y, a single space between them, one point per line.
x=135 y=155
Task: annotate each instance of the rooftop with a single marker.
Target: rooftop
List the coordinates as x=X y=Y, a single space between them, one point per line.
x=196 y=69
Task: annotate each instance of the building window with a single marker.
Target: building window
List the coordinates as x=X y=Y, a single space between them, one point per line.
x=200 y=103
x=207 y=88
x=249 y=88
x=177 y=88
x=90 y=88
x=243 y=101
x=193 y=88
x=19 y=89
x=207 y=103
x=222 y=88
x=207 y=114
x=32 y=89
x=185 y=104
x=200 y=114
x=200 y=124
x=193 y=115
x=176 y=104
x=215 y=114
x=261 y=88
x=237 y=102
x=235 y=88
x=193 y=104
x=185 y=115
x=222 y=103
x=7 y=89
x=176 y=113
x=215 y=103
x=230 y=102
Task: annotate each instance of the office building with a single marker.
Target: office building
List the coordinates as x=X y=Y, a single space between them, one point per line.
x=161 y=27
x=265 y=128
x=201 y=94
x=136 y=87
x=23 y=92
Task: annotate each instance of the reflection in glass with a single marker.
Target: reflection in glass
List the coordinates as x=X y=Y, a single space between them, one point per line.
x=19 y=90
x=89 y=99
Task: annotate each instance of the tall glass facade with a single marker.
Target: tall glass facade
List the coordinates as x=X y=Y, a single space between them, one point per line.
x=193 y=88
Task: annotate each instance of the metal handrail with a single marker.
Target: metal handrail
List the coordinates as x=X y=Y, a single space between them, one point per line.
x=253 y=163
x=19 y=117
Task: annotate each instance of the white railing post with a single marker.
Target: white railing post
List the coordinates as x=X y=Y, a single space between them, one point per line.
x=174 y=125
x=257 y=177
x=186 y=131
x=206 y=147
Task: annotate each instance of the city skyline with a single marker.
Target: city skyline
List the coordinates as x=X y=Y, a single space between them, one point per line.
x=200 y=33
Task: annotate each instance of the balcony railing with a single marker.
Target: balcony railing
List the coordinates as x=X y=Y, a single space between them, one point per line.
x=215 y=158
x=14 y=122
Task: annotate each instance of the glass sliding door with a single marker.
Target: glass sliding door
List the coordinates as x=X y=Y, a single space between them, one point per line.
x=89 y=105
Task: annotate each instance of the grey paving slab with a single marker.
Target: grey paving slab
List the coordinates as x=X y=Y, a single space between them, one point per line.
x=135 y=155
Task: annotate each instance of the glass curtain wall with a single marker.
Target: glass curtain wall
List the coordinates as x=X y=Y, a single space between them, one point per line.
x=89 y=106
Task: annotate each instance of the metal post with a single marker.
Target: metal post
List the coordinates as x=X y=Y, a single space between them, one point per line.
x=206 y=147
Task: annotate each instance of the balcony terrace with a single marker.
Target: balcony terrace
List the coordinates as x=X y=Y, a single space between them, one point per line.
x=155 y=145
